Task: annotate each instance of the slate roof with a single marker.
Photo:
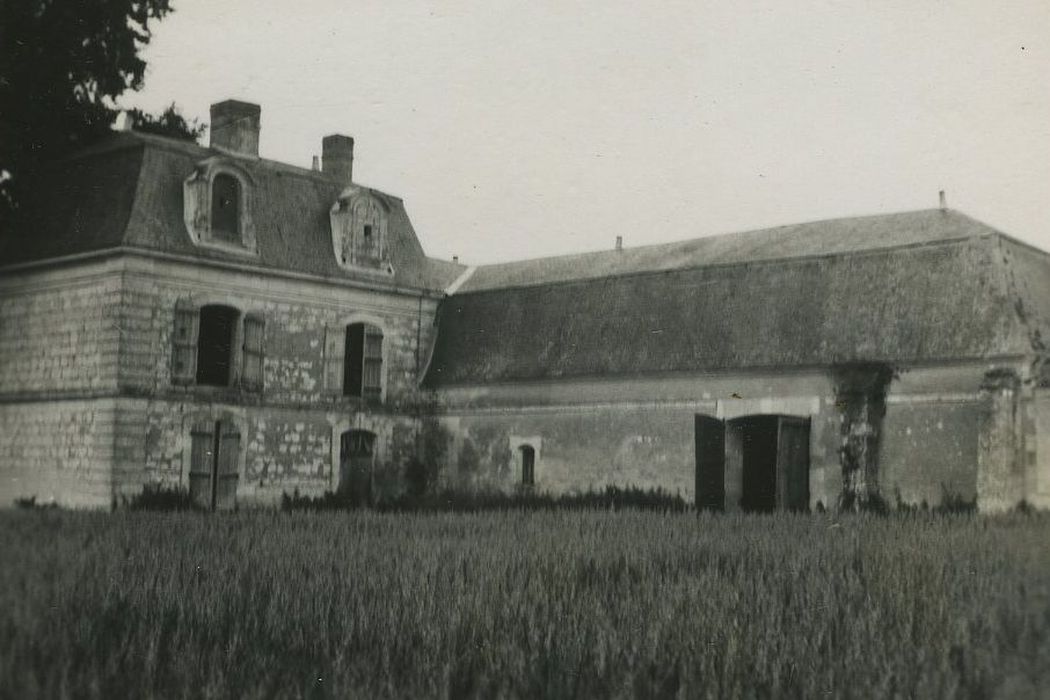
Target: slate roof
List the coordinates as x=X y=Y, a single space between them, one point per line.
x=795 y=240
x=127 y=192
x=901 y=288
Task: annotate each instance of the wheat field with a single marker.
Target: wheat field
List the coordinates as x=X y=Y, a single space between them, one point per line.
x=523 y=604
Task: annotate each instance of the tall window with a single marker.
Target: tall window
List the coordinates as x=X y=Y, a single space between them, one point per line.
x=363 y=368
x=528 y=465
x=226 y=209
x=215 y=345
x=204 y=350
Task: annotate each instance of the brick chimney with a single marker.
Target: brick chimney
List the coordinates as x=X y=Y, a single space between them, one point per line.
x=337 y=157
x=235 y=127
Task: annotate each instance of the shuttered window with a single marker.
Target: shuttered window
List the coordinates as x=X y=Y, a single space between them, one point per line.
x=334 y=355
x=372 y=384
x=363 y=361
x=252 y=369
x=184 y=343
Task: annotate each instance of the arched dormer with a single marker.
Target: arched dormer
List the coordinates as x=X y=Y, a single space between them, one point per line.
x=359 y=231
x=217 y=206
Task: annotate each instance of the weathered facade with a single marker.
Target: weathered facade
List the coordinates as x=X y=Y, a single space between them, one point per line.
x=205 y=319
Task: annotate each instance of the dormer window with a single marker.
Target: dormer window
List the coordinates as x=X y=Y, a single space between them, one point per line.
x=217 y=206
x=359 y=231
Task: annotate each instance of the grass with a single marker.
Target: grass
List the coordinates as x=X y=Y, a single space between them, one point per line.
x=522 y=604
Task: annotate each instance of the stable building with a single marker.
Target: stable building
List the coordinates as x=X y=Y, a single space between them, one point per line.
x=896 y=357
x=204 y=319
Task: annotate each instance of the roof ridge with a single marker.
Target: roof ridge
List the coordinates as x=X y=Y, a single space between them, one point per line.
x=716 y=265
x=740 y=232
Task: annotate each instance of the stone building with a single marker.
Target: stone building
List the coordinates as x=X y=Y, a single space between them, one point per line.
x=206 y=319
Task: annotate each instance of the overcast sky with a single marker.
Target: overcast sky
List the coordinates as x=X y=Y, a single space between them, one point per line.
x=517 y=130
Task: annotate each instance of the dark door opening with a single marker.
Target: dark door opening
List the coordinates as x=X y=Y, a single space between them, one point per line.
x=710 y=434
x=765 y=459
x=759 y=445
x=356 y=460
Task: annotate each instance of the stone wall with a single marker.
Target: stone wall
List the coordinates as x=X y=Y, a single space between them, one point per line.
x=59 y=331
x=57 y=451
x=290 y=430
x=89 y=414
x=639 y=432
x=589 y=434
x=59 y=334
x=296 y=314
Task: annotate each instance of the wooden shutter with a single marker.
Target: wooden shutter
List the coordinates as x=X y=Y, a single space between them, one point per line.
x=252 y=366
x=793 y=463
x=372 y=381
x=226 y=472
x=202 y=463
x=710 y=462
x=184 y=342
x=334 y=356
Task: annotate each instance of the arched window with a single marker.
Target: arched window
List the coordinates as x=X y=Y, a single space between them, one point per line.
x=226 y=209
x=215 y=342
x=363 y=368
x=528 y=465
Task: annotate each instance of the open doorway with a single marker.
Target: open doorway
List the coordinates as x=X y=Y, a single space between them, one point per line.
x=757 y=463
x=756 y=437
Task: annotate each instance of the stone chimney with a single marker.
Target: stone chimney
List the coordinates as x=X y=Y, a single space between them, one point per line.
x=337 y=157
x=619 y=243
x=943 y=200
x=235 y=127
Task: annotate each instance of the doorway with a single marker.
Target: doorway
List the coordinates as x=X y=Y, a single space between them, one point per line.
x=357 y=450
x=214 y=451
x=757 y=463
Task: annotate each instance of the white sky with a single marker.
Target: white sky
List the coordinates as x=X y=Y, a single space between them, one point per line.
x=516 y=130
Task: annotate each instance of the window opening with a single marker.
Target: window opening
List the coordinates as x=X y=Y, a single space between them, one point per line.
x=363 y=368
x=215 y=345
x=528 y=465
x=226 y=208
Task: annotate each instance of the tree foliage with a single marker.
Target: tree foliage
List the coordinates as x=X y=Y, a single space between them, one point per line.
x=62 y=65
x=169 y=123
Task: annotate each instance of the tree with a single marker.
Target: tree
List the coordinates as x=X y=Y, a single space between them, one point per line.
x=169 y=123
x=62 y=65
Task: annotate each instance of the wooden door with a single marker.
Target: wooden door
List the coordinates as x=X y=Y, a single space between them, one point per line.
x=226 y=475
x=710 y=436
x=793 y=463
x=214 y=450
x=356 y=457
x=202 y=464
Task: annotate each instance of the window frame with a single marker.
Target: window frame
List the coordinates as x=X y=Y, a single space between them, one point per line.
x=198 y=204
x=336 y=365
x=244 y=376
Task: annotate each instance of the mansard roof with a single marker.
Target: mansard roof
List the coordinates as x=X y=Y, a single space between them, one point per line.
x=127 y=192
x=901 y=288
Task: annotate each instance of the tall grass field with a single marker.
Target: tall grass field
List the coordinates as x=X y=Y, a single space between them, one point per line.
x=592 y=603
